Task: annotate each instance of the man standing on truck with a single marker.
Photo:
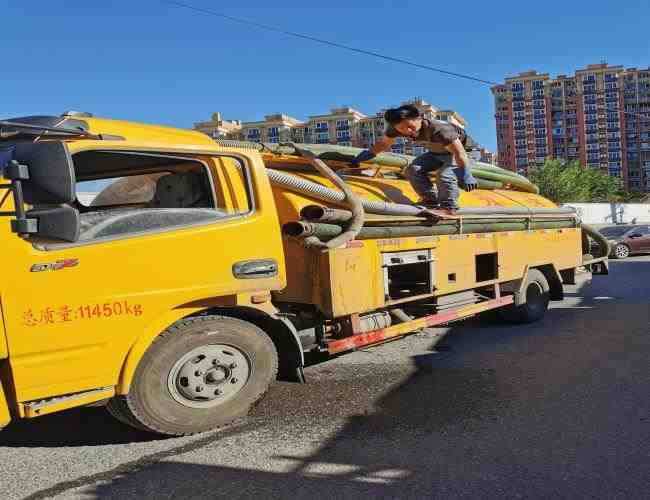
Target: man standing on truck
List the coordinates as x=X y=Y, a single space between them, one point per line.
x=446 y=144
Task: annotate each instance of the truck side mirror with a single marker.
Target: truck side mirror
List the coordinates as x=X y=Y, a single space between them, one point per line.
x=42 y=174
x=60 y=223
x=50 y=172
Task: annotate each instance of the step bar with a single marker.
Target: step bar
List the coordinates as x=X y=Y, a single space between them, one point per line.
x=40 y=407
x=377 y=336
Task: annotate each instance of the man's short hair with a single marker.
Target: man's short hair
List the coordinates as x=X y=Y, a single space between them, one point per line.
x=405 y=112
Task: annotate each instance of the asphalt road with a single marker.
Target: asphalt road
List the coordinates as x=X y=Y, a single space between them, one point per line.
x=558 y=409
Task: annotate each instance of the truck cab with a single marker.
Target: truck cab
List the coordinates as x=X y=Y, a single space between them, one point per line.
x=182 y=227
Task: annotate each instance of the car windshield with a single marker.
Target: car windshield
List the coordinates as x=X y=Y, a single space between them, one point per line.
x=615 y=231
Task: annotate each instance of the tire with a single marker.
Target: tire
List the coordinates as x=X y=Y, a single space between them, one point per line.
x=198 y=375
x=621 y=251
x=119 y=409
x=537 y=293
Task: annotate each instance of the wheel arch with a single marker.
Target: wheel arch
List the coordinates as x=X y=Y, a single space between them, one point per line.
x=552 y=275
x=555 y=288
x=282 y=333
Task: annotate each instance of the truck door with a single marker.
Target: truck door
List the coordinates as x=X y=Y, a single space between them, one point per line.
x=160 y=232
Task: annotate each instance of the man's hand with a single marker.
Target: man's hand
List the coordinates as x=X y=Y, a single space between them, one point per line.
x=363 y=156
x=381 y=145
x=465 y=178
x=469 y=182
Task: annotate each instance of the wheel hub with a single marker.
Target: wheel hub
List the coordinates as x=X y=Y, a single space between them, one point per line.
x=208 y=375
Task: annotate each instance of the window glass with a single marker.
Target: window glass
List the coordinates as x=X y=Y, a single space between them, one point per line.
x=121 y=194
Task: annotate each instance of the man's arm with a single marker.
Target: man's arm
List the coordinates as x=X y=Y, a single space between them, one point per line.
x=458 y=151
x=465 y=178
x=382 y=145
x=368 y=154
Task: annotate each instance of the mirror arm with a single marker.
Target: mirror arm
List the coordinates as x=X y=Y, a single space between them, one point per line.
x=21 y=224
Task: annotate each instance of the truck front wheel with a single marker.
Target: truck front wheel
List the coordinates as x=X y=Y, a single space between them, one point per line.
x=536 y=288
x=200 y=374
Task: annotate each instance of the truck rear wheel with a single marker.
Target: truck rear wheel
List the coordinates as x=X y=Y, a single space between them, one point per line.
x=200 y=374
x=536 y=288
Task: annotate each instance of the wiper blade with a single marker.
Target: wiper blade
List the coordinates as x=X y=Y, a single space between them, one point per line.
x=40 y=128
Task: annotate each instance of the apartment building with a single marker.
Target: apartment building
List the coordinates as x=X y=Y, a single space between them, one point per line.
x=339 y=126
x=217 y=127
x=599 y=116
x=483 y=155
x=274 y=128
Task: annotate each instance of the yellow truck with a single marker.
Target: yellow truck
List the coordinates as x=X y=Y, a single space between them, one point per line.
x=173 y=278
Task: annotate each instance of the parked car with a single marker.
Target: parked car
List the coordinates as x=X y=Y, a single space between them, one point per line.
x=627 y=239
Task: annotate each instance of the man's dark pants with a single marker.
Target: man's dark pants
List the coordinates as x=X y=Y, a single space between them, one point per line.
x=446 y=179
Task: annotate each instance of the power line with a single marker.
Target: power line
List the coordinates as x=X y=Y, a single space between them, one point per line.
x=326 y=42
x=330 y=43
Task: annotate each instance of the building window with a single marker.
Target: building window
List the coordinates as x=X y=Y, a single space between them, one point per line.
x=273 y=132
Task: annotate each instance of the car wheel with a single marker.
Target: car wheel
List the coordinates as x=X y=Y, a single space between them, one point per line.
x=621 y=251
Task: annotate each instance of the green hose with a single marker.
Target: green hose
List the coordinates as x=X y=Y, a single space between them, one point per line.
x=329 y=231
x=488 y=176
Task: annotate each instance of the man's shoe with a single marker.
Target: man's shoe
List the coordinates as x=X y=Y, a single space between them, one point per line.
x=429 y=204
x=448 y=210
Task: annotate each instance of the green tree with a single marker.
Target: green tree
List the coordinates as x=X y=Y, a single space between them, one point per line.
x=565 y=182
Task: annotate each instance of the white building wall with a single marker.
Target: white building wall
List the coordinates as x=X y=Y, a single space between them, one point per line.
x=612 y=213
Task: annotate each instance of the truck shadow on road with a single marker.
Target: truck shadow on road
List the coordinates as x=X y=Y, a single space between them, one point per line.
x=76 y=427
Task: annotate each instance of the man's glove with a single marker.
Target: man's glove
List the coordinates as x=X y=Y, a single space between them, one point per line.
x=365 y=155
x=466 y=179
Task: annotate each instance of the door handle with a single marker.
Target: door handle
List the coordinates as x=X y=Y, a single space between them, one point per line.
x=258 y=268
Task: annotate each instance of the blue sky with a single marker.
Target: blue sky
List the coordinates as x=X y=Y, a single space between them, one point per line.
x=149 y=61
